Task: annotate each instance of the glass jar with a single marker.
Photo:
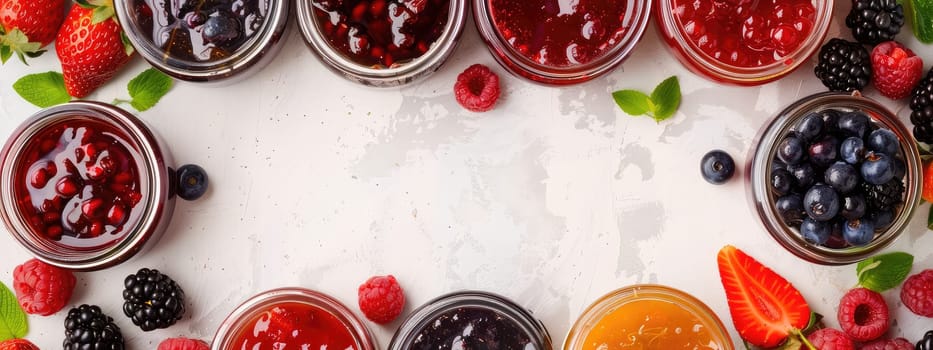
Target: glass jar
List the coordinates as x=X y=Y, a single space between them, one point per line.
x=253 y=311
x=451 y=318
x=589 y=43
x=631 y=304
x=86 y=185
x=376 y=72
x=759 y=169
x=176 y=40
x=692 y=56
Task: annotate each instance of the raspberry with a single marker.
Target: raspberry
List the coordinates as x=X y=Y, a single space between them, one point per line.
x=917 y=293
x=42 y=289
x=830 y=339
x=477 y=88
x=183 y=344
x=897 y=69
x=889 y=344
x=863 y=314
x=381 y=299
x=18 y=344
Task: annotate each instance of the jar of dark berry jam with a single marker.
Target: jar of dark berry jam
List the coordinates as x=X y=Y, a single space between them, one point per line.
x=85 y=185
x=292 y=318
x=767 y=200
x=743 y=42
x=205 y=41
x=461 y=319
x=382 y=43
x=563 y=41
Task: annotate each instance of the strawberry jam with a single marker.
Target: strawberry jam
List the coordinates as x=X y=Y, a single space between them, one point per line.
x=79 y=183
x=560 y=33
x=381 y=33
x=294 y=326
x=745 y=33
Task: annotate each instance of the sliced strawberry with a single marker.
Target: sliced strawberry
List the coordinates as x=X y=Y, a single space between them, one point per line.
x=28 y=25
x=765 y=308
x=91 y=47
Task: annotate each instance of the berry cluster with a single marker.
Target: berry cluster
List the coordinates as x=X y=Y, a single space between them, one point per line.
x=152 y=300
x=921 y=106
x=837 y=177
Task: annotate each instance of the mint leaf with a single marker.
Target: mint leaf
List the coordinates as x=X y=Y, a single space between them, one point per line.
x=147 y=88
x=666 y=96
x=882 y=272
x=633 y=102
x=12 y=318
x=43 y=89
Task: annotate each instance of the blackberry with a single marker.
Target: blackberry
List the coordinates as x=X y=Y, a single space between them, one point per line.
x=884 y=196
x=875 y=21
x=86 y=327
x=843 y=65
x=152 y=300
x=921 y=103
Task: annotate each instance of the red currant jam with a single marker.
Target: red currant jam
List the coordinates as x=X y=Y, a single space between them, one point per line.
x=200 y=30
x=78 y=183
x=745 y=33
x=294 y=326
x=381 y=33
x=561 y=33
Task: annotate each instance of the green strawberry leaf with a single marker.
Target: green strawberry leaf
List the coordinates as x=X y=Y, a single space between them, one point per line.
x=127 y=45
x=13 y=322
x=5 y=53
x=882 y=272
x=147 y=88
x=930 y=219
x=814 y=324
x=42 y=89
x=667 y=98
x=101 y=13
x=85 y=4
x=633 y=102
x=16 y=42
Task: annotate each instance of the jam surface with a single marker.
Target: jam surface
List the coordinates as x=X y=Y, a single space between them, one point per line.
x=381 y=33
x=79 y=183
x=294 y=326
x=561 y=33
x=745 y=33
x=472 y=328
x=201 y=30
x=650 y=324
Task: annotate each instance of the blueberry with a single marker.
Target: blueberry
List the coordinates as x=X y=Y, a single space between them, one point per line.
x=842 y=177
x=717 y=167
x=854 y=207
x=790 y=208
x=220 y=28
x=883 y=141
x=810 y=126
x=781 y=181
x=852 y=150
x=824 y=151
x=830 y=121
x=882 y=218
x=791 y=150
x=877 y=168
x=854 y=124
x=804 y=174
x=836 y=241
x=192 y=182
x=821 y=202
x=816 y=232
x=858 y=232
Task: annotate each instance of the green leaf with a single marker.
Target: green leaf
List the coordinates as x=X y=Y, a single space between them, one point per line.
x=667 y=98
x=632 y=102
x=930 y=219
x=16 y=42
x=101 y=13
x=5 y=53
x=12 y=318
x=882 y=272
x=147 y=88
x=42 y=89
x=813 y=325
x=127 y=45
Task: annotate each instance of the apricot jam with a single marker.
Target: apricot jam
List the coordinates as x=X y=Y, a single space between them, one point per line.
x=294 y=326
x=650 y=324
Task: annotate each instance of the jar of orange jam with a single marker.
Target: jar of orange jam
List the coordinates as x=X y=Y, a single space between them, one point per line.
x=648 y=317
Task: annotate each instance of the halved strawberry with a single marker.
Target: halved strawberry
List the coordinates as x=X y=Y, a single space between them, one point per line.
x=765 y=308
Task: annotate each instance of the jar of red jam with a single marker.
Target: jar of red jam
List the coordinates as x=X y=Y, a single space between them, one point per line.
x=471 y=320
x=85 y=185
x=205 y=41
x=561 y=41
x=292 y=319
x=382 y=43
x=743 y=42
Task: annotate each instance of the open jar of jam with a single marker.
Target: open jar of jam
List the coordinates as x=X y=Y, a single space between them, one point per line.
x=85 y=185
x=562 y=41
x=382 y=43
x=201 y=41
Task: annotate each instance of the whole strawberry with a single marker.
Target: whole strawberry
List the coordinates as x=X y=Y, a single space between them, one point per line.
x=91 y=47
x=897 y=69
x=28 y=25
